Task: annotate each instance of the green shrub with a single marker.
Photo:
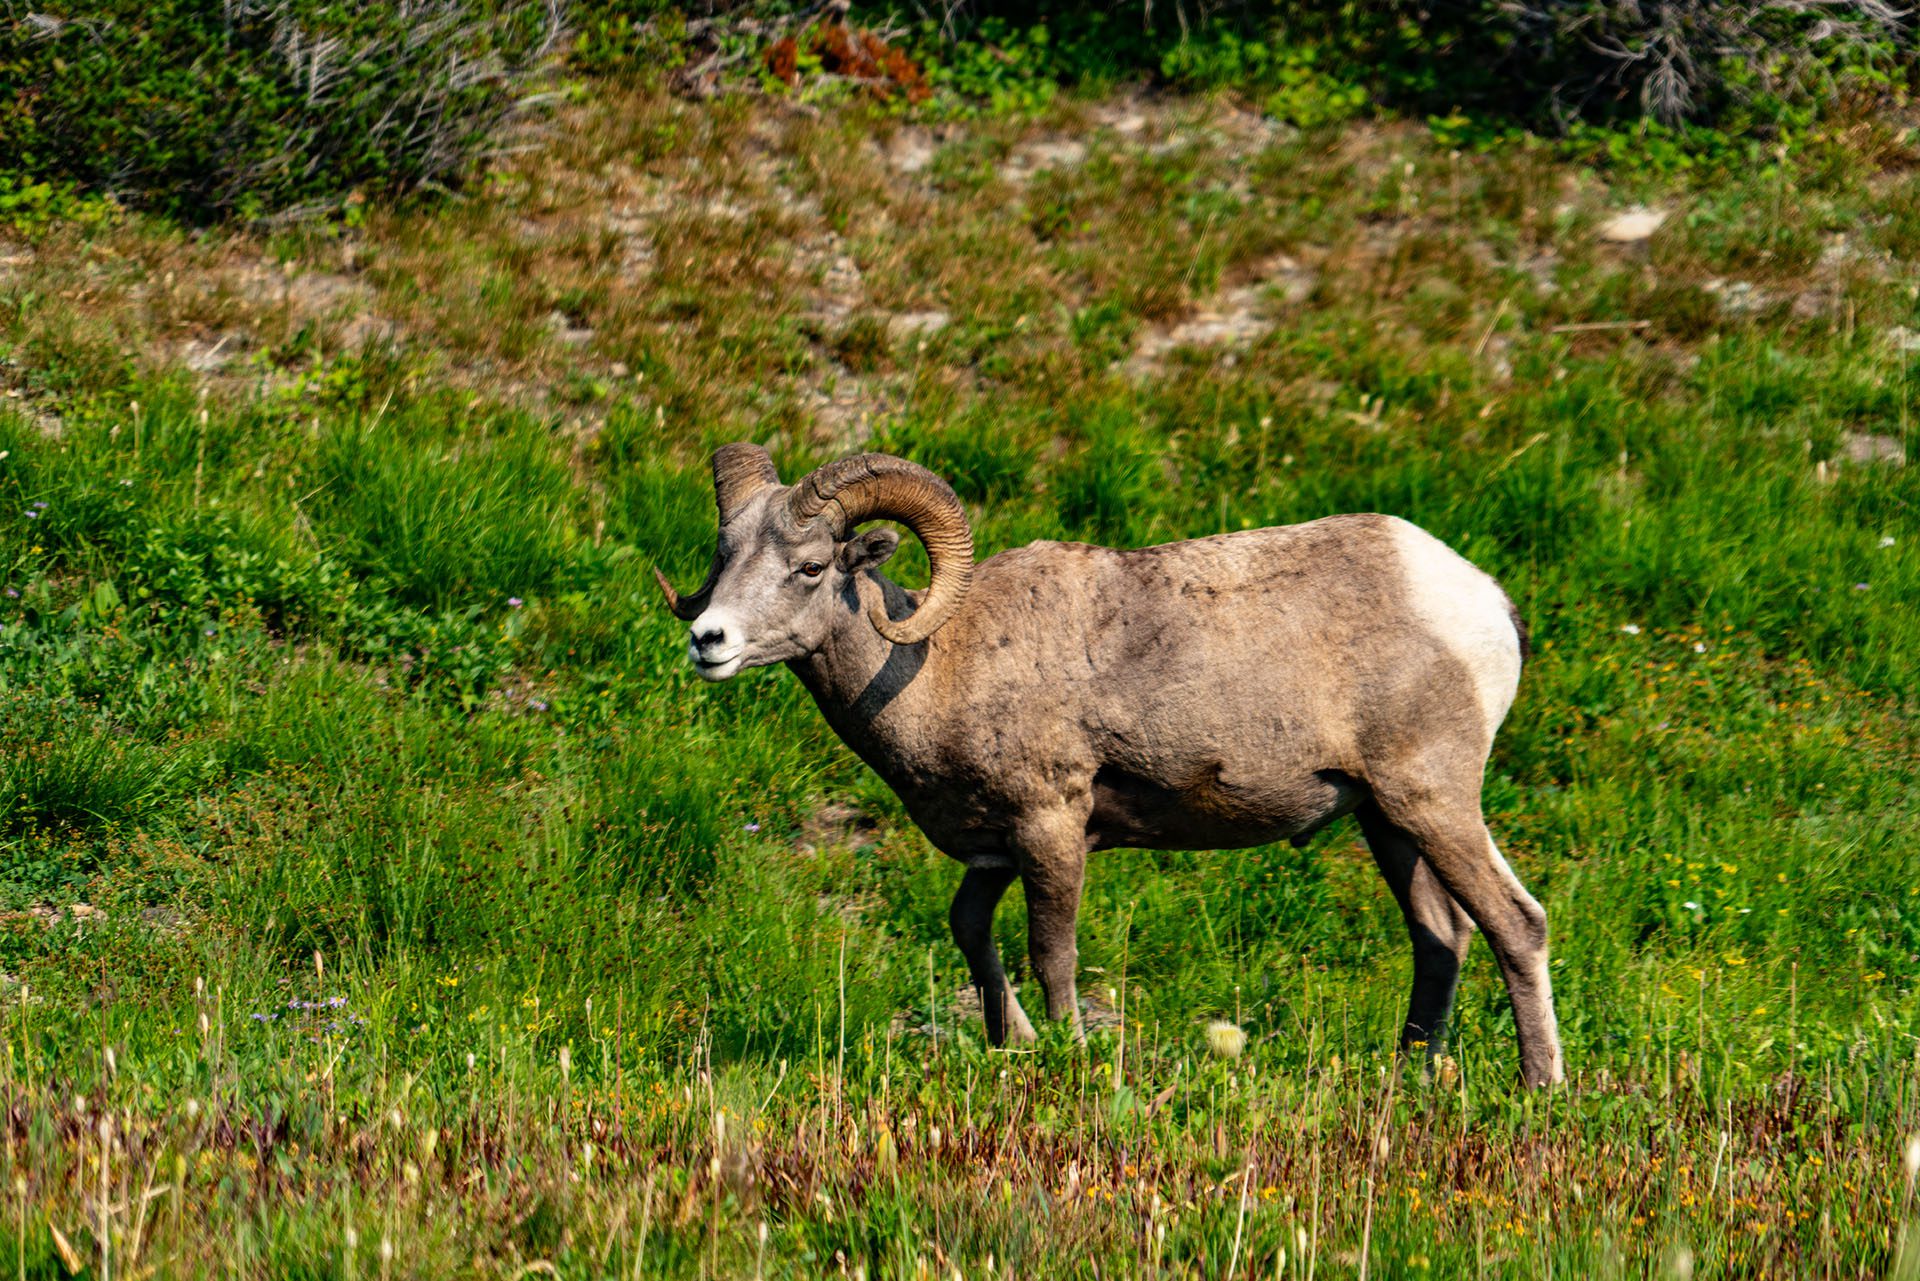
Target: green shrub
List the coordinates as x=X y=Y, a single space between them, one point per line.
x=1766 y=64
x=1687 y=59
x=260 y=107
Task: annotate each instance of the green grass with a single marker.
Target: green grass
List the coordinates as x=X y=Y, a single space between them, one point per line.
x=435 y=902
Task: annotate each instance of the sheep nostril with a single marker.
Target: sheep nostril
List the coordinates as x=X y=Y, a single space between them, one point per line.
x=706 y=639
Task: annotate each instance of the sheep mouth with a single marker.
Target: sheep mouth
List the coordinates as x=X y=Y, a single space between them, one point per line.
x=716 y=670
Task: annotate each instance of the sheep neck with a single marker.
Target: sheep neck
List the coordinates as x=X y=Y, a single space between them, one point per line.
x=857 y=674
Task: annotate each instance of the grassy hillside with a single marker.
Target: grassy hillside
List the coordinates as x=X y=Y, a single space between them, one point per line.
x=383 y=894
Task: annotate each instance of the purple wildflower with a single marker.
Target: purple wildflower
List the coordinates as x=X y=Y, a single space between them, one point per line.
x=515 y=602
x=13 y=593
x=753 y=827
x=39 y=506
x=33 y=515
x=537 y=705
x=1859 y=587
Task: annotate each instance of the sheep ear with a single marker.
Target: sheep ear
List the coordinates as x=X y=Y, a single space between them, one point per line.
x=868 y=550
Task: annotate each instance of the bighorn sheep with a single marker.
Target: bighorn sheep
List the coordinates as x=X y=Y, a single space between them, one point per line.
x=1060 y=698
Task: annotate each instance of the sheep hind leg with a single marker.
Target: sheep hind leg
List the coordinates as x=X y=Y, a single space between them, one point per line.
x=1438 y=927
x=1454 y=841
x=972 y=921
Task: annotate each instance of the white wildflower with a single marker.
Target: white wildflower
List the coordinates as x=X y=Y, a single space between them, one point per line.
x=1225 y=1039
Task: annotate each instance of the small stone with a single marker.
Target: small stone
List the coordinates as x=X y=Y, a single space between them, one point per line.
x=1063 y=154
x=561 y=326
x=916 y=324
x=1809 y=304
x=1632 y=226
x=910 y=150
x=1866 y=448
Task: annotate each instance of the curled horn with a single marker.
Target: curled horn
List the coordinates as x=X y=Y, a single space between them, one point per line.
x=880 y=487
x=739 y=472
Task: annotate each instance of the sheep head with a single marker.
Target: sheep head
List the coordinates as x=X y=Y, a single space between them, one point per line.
x=786 y=557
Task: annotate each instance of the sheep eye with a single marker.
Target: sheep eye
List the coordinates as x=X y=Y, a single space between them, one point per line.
x=813 y=569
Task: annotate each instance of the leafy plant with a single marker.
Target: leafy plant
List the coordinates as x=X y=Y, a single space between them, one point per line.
x=261 y=107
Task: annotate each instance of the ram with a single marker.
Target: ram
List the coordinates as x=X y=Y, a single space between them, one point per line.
x=1220 y=693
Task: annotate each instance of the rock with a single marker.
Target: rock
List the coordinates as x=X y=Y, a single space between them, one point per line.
x=562 y=326
x=916 y=324
x=1738 y=296
x=1632 y=226
x=1062 y=154
x=1232 y=319
x=910 y=150
x=1866 y=448
x=208 y=357
x=80 y=914
x=1034 y=157
x=843 y=286
x=1903 y=338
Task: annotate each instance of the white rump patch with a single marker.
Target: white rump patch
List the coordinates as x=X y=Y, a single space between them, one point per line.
x=1467 y=612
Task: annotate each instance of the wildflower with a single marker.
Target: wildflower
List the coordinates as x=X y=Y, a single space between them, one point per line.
x=127 y=483
x=1225 y=1039
x=536 y=705
x=33 y=515
x=209 y=630
x=13 y=593
x=1631 y=629
x=514 y=602
x=753 y=827
x=1887 y=541
x=1691 y=906
x=1699 y=647
x=1860 y=587
x=39 y=506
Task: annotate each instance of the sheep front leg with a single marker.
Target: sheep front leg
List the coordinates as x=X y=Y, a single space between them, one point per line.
x=1051 y=872
x=972 y=921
